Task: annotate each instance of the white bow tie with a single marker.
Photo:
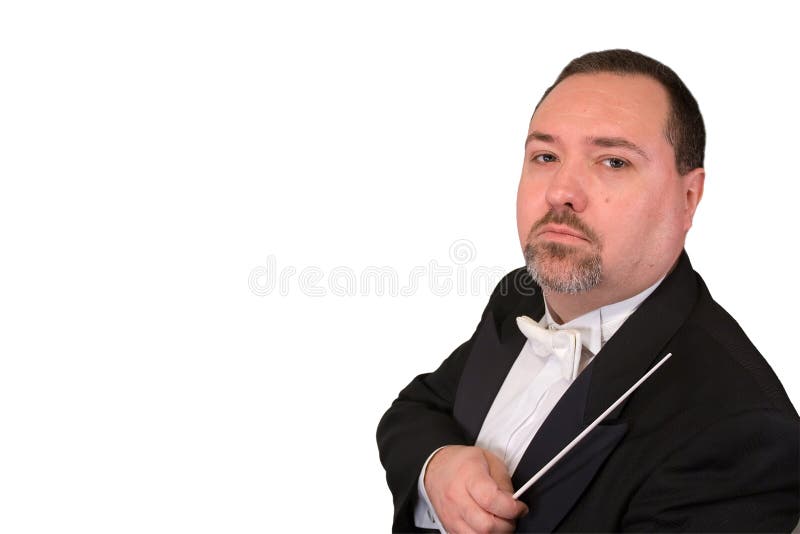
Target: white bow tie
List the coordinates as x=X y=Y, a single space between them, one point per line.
x=565 y=344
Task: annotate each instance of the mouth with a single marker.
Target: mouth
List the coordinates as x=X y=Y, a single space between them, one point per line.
x=560 y=232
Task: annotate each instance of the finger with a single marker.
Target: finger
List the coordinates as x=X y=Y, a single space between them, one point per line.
x=498 y=471
x=503 y=525
x=460 y=526
x=469 y=517
x=479 y=520
x=456 y=505
x=488 y=495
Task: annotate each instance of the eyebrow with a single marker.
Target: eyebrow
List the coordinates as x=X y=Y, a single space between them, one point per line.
x=539 y=136
x=607 y=142
x=612 y=142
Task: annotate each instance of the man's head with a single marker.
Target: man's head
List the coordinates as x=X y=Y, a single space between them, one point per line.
x=612 y=176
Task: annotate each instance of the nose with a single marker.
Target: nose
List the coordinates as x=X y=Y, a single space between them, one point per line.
x=566 y=187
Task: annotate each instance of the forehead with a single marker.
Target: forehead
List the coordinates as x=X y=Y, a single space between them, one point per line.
x=604 y=104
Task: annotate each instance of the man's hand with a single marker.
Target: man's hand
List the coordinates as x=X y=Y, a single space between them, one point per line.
x=471 y=491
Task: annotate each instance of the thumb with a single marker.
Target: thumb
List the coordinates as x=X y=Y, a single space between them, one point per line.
x=498 y=472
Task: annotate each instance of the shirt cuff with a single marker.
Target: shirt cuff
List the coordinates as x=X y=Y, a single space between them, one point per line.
x=424 y=514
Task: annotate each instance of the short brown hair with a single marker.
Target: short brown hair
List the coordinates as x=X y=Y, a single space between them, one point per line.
x=684 y=129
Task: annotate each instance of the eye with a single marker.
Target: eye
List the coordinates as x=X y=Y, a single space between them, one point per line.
x=615 y=163
x=544 y=158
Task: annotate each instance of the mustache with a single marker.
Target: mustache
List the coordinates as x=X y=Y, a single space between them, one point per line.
x=567 y=218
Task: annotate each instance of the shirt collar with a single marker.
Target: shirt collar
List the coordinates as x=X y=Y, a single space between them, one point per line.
x=597 y=326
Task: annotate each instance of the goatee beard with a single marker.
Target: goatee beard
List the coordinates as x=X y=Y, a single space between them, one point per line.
x=562 y=268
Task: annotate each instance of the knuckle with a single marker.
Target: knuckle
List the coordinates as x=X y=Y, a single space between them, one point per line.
x=459 y=526
x=468 y=466
x=484 y=523
x=451 y=493
x=484 y=494
x=505 y=527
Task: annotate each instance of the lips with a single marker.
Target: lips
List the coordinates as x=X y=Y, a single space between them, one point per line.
x=560 y=230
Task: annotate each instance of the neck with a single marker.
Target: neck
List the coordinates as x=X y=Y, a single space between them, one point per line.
x=565 y=307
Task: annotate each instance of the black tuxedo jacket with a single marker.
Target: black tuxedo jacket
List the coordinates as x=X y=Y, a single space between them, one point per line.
x=708 y=443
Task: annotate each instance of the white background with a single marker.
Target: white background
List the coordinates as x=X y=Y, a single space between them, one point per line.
x=154 y=154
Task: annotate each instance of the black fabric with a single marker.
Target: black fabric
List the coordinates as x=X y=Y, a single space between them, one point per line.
x=708 y=443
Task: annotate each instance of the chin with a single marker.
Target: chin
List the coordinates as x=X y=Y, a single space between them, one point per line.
x=562 y=268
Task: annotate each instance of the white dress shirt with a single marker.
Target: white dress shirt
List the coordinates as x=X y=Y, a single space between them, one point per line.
x=532 y=388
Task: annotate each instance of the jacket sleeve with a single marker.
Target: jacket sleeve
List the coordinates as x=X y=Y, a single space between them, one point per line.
x=417 y=423
x=739 y=475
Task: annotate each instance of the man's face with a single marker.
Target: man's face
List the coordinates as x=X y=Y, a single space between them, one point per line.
x=600 y=203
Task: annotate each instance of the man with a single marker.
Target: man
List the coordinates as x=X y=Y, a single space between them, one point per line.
x=612 y=176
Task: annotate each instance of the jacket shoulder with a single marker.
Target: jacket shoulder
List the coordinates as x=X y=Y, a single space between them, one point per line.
x=731 y=355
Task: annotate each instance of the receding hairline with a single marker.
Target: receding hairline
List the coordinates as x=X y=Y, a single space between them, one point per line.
x=612 y=73
x=611 y=141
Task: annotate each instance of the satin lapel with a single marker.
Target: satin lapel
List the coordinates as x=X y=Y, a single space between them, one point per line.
x=641 y=340
x=554 y=495
x=494 y=351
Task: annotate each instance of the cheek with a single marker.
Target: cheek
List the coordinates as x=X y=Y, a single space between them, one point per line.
x=644 y=230
x=523 y=223
x=626 y=227
x=529 y=208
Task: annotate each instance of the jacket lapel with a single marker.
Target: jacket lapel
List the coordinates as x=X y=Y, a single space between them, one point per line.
x=495 y=349
x=641 y=341
x=622 y=361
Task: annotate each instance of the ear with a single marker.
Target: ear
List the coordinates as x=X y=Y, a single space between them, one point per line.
x=693 y=182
